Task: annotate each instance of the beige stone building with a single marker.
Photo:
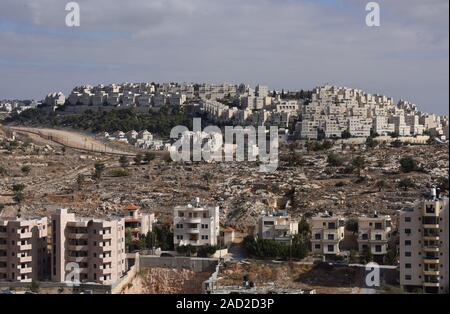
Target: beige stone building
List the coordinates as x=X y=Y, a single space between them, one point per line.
x=424 y=245
x=278 y=226
x=374 y=234
x=23 y=250
x=95 y=247
x=327 y=231
x=196 y=225
x=137 y=222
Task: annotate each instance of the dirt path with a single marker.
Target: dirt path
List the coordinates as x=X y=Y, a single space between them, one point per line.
x=73 y=140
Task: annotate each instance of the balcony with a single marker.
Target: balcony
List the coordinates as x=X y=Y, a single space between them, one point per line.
x=191 y=220
x=25 y=235
x=431 y=248
x=26 y=270
x=78 y=236
x=193 y=230
x=431 y=237
x=431 y=272
x=25 y=247
x=78 y=247
x=81 y=259
x=431 y=226
x=105 y=271
x=431 y=284
x=25 y=259
x=431 y=260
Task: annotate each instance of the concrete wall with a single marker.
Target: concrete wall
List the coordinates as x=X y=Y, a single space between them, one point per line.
x=193 y=263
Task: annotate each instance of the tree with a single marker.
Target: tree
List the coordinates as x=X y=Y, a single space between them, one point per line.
x=63 y=150
x=149 y=156
x=346 y=134
x=128 y=240
x=334 y=160
x=367 y=256
x=34 y=286
x=18 y=187
x=359 y=163
x=406 y=184
x=99 y=168
x=352 y=225
x=80 y=181
x=381 y=184
x=137 y=159
x=19 y=197
x=408 y=164
x=142 y=243
x=370 y=142
x=304 y=228
x=442 y=183
x=123 y=161
x=26 y=170
x=3 y=171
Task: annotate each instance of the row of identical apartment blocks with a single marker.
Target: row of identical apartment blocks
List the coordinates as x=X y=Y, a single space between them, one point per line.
x=38 y=249
x=196 y=225
x=424 y=245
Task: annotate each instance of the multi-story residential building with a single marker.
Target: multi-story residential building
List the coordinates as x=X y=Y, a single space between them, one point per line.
x=278 y=226
x=196 y=225
x=374 y=233
x=424 y=245
x=95 y=248
x=327 y=231
x=24 y=255
x=136 y=222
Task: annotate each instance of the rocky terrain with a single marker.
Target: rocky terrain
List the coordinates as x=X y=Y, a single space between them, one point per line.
x=64 y=178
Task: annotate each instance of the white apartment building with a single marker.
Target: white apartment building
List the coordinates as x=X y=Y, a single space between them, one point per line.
x=327 y=231
x=196 y=225
x=424 y=245
x=94 y=246
x=138 y=223
x=374 y=233
x=278 y=226
x=23 y=250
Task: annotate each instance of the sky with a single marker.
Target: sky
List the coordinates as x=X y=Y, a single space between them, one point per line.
x=290 y=44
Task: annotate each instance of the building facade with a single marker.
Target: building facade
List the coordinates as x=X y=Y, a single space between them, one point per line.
x=327 y=231
x=374 y=234
x=424 y=245
x=196 y=225
x=278 y=226
x=95 y=248
x=23 y=250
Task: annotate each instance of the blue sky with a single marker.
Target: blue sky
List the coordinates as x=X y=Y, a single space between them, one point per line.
x=291 y=44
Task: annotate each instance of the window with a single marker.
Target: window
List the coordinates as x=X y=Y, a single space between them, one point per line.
x=330 y=248
x=180 y=214
x=204 y=237
x=317 y=246
x=317 y=236
x=407 y=243
x=204 y=226
x=407 y=254
x=378 y=226
x=378 y=237
x=365 y=236
x=378 y=248
x=331 y=237
x=408 y=231
x=407 y=266
x=407 y=219
x=407 y=277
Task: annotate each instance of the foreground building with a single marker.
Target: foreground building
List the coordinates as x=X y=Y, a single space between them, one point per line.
x=327 y=231
x=196 y=225
x=424 y=245
x=278 y=226
x=374 y=233
x=23 y=250
x=96 y=247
